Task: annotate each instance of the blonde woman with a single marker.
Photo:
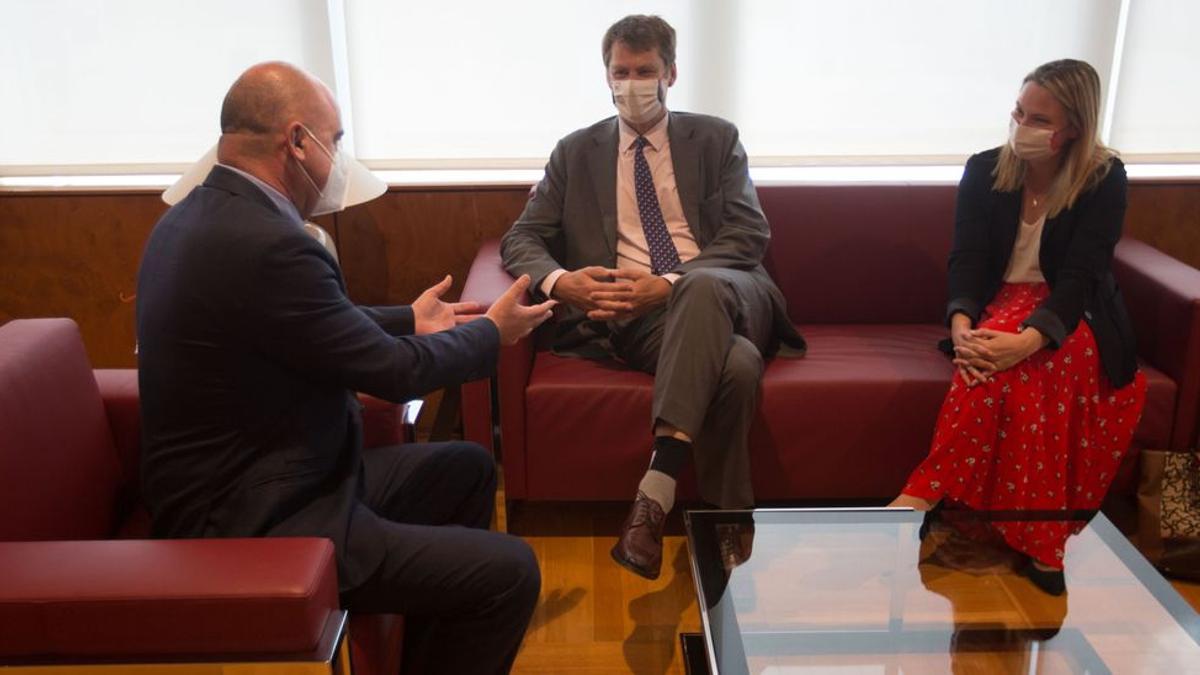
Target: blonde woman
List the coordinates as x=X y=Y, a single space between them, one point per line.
x=1047 y=393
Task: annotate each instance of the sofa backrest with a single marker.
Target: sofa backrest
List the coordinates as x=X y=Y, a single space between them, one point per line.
x=59 y=471
x=860 y=253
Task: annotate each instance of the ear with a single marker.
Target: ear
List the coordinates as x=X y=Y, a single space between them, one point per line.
x=674 y=74
x=296 y=139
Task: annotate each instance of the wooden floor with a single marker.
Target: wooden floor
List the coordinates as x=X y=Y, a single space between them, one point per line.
x=594 y=617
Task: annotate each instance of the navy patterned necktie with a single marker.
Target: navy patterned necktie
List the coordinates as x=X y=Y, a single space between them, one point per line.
x=664 y=257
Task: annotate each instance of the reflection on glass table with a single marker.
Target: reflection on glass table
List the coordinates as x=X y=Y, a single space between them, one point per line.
x=789 y=591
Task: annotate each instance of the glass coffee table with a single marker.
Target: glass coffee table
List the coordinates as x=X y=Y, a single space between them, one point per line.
x=789 y=591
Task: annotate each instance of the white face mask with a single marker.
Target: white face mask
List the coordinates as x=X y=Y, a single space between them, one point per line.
x=1030 y=143
x=639 y=101
x=361 y=185
x=332 y=197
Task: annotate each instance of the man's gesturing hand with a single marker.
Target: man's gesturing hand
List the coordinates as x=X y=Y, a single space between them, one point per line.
x=635 y=293
x=431 y=314
x=513 y=319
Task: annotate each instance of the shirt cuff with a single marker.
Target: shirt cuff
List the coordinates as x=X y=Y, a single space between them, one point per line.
x=548 y=282
x=671 y=277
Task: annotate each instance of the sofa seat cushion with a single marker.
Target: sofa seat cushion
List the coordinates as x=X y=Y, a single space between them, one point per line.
x=864 y=399
x=72 y=599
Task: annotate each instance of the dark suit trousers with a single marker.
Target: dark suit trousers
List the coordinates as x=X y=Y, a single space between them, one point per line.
x=466 y=593
x=705 y=349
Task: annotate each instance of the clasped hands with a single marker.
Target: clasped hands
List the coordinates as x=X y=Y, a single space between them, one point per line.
x=611 y=294
x=981 y=352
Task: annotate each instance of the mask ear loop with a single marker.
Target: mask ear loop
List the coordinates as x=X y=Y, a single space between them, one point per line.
x=296 y=136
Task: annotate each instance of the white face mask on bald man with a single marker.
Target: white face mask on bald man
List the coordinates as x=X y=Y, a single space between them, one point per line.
x=359 y=185
x=332 y=197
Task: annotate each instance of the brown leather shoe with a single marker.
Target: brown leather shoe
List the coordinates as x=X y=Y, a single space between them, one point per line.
x=639 y=549
x=735 y=543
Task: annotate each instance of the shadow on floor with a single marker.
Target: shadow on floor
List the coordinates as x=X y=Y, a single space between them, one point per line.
x=650 y=648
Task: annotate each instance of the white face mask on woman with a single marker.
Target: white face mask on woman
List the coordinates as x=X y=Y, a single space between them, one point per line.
x=638 y=101
x=1030 y=143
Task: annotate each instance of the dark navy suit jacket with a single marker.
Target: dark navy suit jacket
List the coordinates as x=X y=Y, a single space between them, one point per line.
x=249 y=351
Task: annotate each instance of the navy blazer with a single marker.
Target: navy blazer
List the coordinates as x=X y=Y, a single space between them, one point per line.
x=1075 y=257
x=249 y=351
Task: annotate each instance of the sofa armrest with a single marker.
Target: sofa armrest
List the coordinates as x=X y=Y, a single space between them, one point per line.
x=78 y=599
x=487 y=281
x=119 y=391
x=1163 y=296
x=386 y=423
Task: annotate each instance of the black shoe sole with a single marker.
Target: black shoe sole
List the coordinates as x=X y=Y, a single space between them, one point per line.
x=645 y=574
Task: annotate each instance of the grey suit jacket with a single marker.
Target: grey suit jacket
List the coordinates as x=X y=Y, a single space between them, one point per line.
x=571 y=219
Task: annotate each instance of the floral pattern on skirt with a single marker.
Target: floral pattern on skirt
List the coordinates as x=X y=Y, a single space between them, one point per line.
x=1046 y=434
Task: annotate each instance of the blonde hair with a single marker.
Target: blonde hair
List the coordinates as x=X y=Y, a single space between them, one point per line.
x=1076 y=86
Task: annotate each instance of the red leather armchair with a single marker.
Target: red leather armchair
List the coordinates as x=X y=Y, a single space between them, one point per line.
x=864 y=271
x=80 y=583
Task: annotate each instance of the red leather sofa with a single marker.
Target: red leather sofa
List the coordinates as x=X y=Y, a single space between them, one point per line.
x=864 y=271
x=80 y=582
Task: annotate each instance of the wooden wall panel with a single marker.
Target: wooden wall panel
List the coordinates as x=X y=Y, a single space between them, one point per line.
x=1166 y=216
x=396 y=246
x=76 y=255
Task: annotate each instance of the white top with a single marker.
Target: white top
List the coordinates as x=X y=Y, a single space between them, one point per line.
x=1023 y=266
x=632 y=250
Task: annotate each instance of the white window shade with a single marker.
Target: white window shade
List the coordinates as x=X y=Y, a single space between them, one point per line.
x=491 y=84
x=871 y=80
x=112 y=85
x=135 y=86
x=1157 y=110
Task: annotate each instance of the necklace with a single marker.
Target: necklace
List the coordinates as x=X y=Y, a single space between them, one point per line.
x=1036 y=198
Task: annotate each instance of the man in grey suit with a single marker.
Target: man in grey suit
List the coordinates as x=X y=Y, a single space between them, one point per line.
x=647 y=230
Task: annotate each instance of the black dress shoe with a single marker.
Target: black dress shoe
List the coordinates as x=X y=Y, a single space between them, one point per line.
x=1050 y=581
x=639 y=548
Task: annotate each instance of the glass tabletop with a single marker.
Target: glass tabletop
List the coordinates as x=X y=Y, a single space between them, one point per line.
x=790 y=591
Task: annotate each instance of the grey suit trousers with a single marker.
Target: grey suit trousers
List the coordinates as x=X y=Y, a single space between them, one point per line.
x=705 y=349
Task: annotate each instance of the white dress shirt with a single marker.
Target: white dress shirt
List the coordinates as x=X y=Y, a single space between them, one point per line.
x=632 y=250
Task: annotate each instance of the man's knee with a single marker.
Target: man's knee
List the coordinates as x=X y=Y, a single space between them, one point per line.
x=472 y=460
x=743 y=367
x=514 y=573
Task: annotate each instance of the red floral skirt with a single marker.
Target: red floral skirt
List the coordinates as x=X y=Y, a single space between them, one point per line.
x=1047 y=434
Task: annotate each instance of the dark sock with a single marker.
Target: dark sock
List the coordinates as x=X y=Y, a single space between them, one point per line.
x=670 y=454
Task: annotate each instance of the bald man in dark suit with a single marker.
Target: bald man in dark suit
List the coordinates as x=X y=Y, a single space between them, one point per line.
x=250 y=352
